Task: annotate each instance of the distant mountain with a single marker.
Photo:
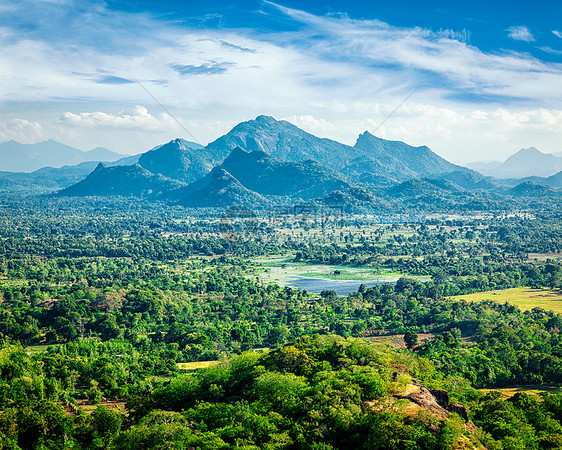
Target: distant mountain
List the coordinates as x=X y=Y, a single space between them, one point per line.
x=16 y=157
x=48 y=179
x=553 y=181
x=420 y=187
x=529 y=189
x=268 y=175
x=471 y=180
x=179 y=159
x=355 y=199
x=102 y=154
x=381 y=160
x=282 y=140
x=121 y=180
x=526 y=162
x=217 y=189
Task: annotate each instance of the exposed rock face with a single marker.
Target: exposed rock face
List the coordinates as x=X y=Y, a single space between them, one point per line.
x=441 y=396
x=436 y=401
x=428 y=401
x=460 y=409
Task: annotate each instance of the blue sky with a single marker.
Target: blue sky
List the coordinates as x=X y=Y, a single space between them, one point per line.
x=79 y=71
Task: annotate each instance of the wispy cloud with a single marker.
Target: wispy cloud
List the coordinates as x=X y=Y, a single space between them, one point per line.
x=212 y=68
x=520 y=33
x=417 y=52
x=237 y=47
x=550 y=50
x=112 y=79
x=557 y=33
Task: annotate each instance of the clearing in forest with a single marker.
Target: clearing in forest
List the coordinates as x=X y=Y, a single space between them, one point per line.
x=523 y=297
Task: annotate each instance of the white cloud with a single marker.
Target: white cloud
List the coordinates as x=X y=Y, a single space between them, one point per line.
x=21 y=130
x=557 y=33
x=520 y=33
x=334 y=77
x=139 y=119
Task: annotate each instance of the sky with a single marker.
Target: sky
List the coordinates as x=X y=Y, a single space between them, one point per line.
x=474 y=80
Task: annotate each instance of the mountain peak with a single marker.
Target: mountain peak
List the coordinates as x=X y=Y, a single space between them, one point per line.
x=220 y=173
x=179 y=159
x=266 y=119
x=283 y=140
x=527 y=162
x=181 y=144
x=530 y=150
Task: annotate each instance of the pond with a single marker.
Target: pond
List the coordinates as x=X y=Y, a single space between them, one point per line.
x=341 y=287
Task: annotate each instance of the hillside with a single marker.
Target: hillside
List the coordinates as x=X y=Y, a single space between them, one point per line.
x=121 y=180
x=267 y=175
x=217 y=189
x=392 y=161
x=529 y=189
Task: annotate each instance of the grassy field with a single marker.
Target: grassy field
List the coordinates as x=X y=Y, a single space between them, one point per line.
x=524 y=298
x=195 y=365
x=397 y=340
x=535 y=389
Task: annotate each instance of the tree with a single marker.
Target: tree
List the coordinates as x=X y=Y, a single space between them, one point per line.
x=411 y=339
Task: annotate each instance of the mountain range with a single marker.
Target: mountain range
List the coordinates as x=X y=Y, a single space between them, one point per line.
x=266 y=161
x=279 y=161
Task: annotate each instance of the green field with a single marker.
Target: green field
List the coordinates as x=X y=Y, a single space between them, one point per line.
x=524 y=298
x=40 y=348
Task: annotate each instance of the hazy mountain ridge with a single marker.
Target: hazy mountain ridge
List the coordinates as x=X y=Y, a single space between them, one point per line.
x=16 y=157
x=526 y=162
